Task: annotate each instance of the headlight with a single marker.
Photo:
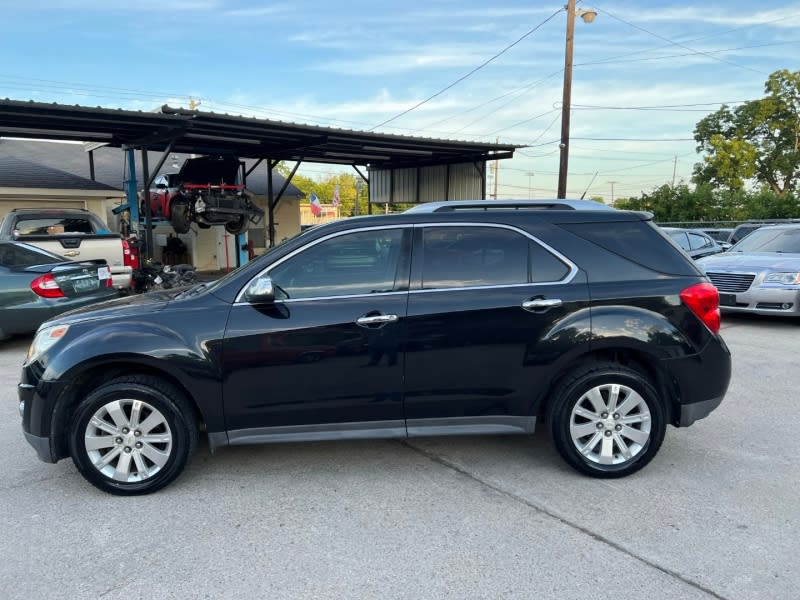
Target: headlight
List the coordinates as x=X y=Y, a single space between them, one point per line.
x=45 y=339
x=783 y=278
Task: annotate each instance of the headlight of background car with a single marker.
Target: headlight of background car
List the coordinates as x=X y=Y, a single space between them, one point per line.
x=783 y=278
x=45 y=339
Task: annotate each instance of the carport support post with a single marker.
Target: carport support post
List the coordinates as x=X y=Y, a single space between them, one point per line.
x=148 y=215
x=130 y=190
x=270 y=204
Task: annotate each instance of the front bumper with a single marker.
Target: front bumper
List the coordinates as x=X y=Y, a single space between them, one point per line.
x=37 y=405
x=762 y=301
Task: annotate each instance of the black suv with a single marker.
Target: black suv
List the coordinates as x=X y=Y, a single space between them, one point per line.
x=451 y=318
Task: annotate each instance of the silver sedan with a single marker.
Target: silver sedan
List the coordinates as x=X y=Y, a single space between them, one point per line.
x=760 y=274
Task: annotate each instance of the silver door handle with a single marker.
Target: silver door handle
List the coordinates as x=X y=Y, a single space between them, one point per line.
x=541 y=304
x=376 y=320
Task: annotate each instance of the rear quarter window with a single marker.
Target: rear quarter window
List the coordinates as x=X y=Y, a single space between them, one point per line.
x=639 y=242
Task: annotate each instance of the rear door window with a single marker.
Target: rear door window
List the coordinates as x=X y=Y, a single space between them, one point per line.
x=474 y=256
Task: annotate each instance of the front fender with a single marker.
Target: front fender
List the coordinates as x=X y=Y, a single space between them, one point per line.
x=191 y=362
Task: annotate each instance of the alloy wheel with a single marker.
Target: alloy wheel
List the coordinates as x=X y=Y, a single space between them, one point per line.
x=128 y=440
x=610 y=424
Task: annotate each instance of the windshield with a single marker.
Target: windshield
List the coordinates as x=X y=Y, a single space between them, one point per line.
x=771 y=240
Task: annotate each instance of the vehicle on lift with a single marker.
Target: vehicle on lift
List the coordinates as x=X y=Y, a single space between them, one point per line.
x=448 y=319
x=208 y=190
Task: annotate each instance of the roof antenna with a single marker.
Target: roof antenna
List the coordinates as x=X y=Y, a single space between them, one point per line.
x=583 y=195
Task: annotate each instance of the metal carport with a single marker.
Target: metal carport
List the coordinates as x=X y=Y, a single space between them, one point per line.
x=412 y=167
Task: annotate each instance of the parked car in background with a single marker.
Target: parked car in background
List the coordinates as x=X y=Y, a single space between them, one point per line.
x=75 y=234
x=696 y=243
x=720 y=234
x=451 y=318
x=760 y=274
x=36 y=285
x=742 y=231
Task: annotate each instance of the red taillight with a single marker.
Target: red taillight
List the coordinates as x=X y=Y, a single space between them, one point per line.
x=130 y=255
x=46 y=287
x=703 y=300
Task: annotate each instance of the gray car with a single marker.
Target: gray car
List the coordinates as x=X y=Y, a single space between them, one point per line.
x=694 y=242
x=760 y=274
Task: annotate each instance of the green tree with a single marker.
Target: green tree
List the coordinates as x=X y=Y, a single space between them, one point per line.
x=325 y=187
x=758 y=141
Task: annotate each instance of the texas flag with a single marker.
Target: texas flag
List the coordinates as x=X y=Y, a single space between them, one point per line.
x=316 y=207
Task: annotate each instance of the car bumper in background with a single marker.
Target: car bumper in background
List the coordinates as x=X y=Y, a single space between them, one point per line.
x=121 y=277
x=762 y=301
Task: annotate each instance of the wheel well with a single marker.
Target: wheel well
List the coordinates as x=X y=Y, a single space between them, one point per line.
x=93 y=378
x=642 y=362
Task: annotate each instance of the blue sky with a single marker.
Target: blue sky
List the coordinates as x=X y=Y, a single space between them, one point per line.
x=645 y=72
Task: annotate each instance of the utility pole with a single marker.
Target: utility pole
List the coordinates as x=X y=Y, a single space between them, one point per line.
x=496 y=173
x=674 y=168
x=563 y=163
x=612 y=191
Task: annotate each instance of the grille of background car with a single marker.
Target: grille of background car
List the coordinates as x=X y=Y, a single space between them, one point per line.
x=732 y=282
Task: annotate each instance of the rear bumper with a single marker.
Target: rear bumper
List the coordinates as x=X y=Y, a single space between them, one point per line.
x=121 y=277
x=689 y=413
x=701 y=381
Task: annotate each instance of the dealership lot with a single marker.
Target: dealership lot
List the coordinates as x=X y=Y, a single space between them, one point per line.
x=714 y=515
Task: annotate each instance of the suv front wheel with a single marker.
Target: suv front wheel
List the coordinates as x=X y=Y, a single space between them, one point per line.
x=132 y=435
x=606 y=420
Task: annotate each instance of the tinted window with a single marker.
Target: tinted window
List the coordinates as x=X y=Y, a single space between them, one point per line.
x=771 y=240
x=356 y=263
x=636 y=241
x=473 y=256
x=12 y=255
x=544 y=266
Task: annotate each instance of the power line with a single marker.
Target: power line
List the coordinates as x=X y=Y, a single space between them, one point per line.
x=661 y=37
x=463 y=77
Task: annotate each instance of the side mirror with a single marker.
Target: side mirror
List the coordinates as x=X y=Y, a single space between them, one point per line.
x=260 y=290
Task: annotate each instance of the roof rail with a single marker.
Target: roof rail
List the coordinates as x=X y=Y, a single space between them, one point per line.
x=453 y=205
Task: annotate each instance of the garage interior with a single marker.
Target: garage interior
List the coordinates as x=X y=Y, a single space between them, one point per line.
x=395 y=168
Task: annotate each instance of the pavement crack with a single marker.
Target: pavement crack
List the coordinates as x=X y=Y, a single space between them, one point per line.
x=571 y=524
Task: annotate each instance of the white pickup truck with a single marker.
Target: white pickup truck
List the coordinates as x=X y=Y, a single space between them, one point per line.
x=74 y=233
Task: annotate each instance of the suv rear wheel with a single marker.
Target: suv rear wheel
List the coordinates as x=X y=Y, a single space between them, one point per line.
x=606 y=420
x=132 y=435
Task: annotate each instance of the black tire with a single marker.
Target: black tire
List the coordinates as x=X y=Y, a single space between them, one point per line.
x=180 y=216
x=238 y=226
x=617 y=444
x=133 y=462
